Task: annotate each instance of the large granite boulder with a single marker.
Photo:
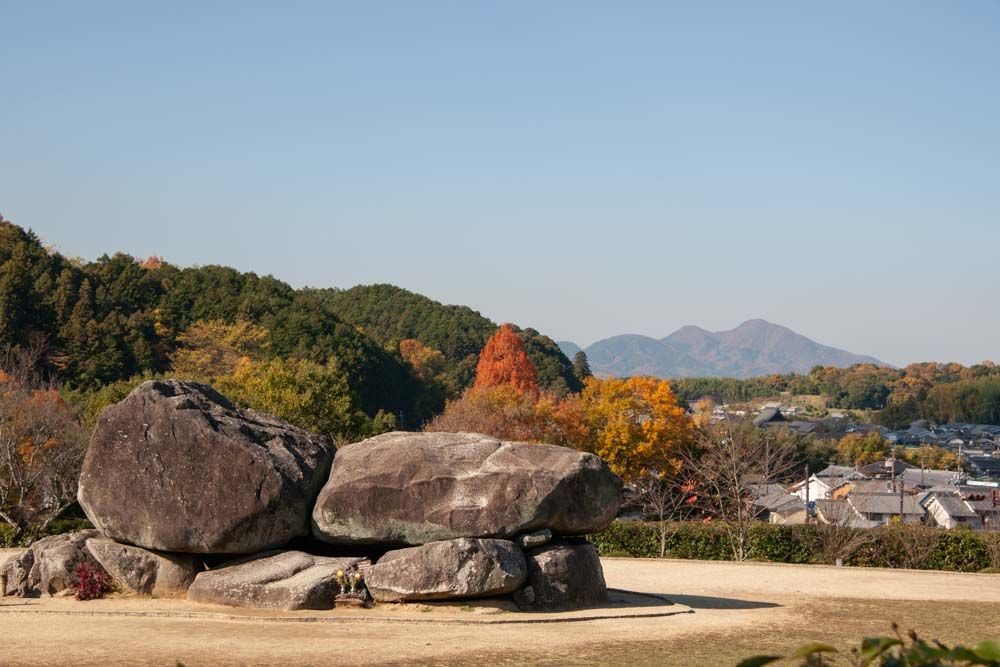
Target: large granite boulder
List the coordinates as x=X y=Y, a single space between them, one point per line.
x=463 y=568
x=414 y=488
x=176 y=467
x=563 y=576
x=285 y=580
x=47 y=566
x=143 y=571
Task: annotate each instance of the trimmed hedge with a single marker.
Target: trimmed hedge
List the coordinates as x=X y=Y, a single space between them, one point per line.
x=954 y=550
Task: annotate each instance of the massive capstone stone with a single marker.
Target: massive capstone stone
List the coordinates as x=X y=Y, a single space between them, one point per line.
x=461 y=568
x=563 y=576
x=176 y=467
x=286 y=580
x=143 y=571
x=47 y=566
x=414 y=488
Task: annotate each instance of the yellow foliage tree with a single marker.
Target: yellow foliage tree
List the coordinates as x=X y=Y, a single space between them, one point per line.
x=426 y=362
x=702 y=409
x=928 y=456
x=311 y=396
x=636 y=425
x=210 y=348
x=861 y=449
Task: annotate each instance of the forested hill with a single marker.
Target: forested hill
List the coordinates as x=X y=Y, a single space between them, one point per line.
x=390 y=314
x=117 y=318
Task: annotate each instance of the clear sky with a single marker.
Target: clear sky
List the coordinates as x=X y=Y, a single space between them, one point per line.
x=584 y=168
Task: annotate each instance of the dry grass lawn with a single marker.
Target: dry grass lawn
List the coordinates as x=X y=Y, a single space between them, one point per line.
x=738 y=610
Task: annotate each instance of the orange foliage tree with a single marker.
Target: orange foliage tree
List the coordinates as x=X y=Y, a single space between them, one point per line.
x=636 y=425
x=41 y=447
x=507 y=413
x=503 y=361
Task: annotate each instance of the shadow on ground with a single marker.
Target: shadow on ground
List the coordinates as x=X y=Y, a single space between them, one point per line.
x=706 y=602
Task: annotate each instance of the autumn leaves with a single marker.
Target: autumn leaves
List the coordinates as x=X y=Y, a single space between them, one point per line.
x=634 y=424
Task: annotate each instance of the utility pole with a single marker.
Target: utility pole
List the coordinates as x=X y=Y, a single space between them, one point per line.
x=901 y=485
x=807 y=493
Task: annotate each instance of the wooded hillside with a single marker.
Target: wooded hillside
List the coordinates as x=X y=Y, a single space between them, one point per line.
x=114 y=319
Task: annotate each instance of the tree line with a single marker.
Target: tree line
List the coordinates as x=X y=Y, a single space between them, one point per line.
x=102 y=326
x=937 y=392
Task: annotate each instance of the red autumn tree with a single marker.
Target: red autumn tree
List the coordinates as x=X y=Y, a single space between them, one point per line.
x=503 y=361
x=152 y=262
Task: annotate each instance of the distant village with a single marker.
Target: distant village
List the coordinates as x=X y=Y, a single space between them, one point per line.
x=891 y=490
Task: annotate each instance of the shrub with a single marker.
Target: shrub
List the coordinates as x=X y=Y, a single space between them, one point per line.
x=698 y=541
x=892 y=546
x=780 y=544
x=91 y=582
x=630 y=538
x=893 y=652
x=959 y=551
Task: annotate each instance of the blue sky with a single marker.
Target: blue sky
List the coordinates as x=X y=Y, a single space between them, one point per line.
x=584 y=168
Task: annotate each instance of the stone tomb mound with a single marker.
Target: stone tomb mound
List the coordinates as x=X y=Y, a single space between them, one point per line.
x=191 y=495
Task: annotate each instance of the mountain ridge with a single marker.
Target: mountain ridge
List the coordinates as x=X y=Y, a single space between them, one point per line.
x=754 y=347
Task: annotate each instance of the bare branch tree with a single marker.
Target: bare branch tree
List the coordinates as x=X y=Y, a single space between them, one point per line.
x=837 y=535
x=41 y=446
x=665 y=498
x=991 y=539
x=912 y=543
x=729 y=466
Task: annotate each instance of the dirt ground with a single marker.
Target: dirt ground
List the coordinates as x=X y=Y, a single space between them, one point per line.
x=723 y=612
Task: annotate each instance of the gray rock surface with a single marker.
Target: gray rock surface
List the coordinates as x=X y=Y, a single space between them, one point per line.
x=564 y=576
x=534 y=539
x=415 y=488
x=47 y=567
x=285 y=580
x=461 y=568
x=176 y=467
x=525 y=597
x=143 y=571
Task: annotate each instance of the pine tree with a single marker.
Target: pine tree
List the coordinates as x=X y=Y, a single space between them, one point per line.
x=581 y=367
x=15 y=297
x=64 y=296
x=79 y=334
x=503 y=361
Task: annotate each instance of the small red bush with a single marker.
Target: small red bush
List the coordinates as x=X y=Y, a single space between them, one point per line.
x=91 y=582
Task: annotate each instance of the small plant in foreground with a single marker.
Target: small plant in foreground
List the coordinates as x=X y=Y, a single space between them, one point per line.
x=91 y=582
x=893 y=652
x=350 y=583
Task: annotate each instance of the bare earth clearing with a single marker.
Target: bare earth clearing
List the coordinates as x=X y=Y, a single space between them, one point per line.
x=723 y=611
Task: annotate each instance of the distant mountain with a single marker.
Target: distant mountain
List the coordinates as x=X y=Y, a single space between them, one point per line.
x=631 y=354
x=755 y=347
